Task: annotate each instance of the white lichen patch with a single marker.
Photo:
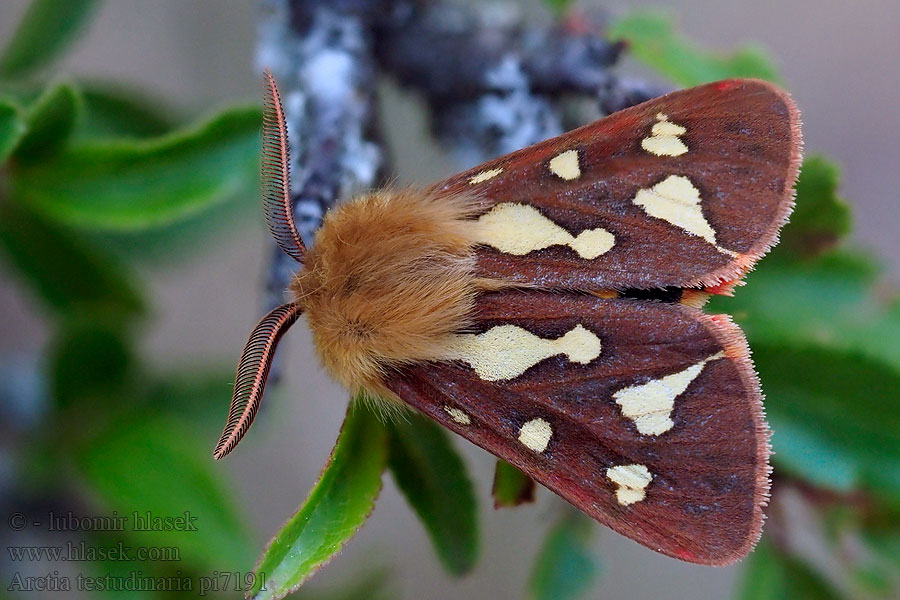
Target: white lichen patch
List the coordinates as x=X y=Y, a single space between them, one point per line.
x=507 y=351
x=536 y=434
x=520 y=228
x=649 y=405
x=665 y=138
x=676 y=201
x=632 y=481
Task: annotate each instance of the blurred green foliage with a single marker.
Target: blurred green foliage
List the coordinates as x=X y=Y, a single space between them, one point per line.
x=433 y=478
x=113 y=436
x=136 y=184
x=46 y=30
x=115 y=111
x=12 y=127
x=653 y=40
x=772 y=576
x=511 y=486
x=87 y=281
x=565 y=567
x=91 y=168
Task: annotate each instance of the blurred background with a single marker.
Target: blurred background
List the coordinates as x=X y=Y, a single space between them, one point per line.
x=201 y=291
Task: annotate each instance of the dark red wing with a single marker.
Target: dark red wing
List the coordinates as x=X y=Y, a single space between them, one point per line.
x=648 y=417
x=686 y=190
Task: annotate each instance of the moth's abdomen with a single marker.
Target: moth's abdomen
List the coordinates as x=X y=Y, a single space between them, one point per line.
x=390 y=276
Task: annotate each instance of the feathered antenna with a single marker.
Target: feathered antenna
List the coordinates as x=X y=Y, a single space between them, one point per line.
x=252 y=372
x=275 y=174
x=253 y=368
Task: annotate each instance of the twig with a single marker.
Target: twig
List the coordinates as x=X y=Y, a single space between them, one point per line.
x=494 y=84
x=322 y=57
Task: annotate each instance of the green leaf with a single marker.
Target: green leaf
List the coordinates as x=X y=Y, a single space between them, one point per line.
x=133 y=185
x=821 y=218
x=825 y=341
x=885 y=542
x=831 y=301
x=772 y=575
x=874 y=581
x=90 y=359
x=154 y=464
x=198 y=394
x=335 y=509
x=880 y=531
x=764 y=575
x=50 y=121
x=835 y=417
x=115 y=111
x=565 y=567
x=433 y=478
x=804 y=583
x=652 y=39
x=65 y=271
x=166 y=243
x=12 y=128
x=47 y=27
x=511 y=487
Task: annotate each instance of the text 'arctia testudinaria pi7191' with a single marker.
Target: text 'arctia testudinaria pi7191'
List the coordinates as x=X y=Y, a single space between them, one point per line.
x=546 y=306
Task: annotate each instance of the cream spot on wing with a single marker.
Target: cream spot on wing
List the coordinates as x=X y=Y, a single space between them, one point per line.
x=565 y=165
x=457 y=415
x=591 y=243
x=519 y=229
x=677 y=201
x=632 y=481
x=484 y=176
x=650 y=404
x=535 y=434
x=664 y=138
x=507 y=351
x=667 y=128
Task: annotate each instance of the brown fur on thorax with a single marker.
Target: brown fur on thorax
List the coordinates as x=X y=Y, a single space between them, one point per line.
x=390 y=276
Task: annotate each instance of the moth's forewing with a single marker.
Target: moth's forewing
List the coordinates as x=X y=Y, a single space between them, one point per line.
x=690 y=190
x=566 y=422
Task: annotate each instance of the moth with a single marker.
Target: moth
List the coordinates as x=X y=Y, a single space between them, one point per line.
x=546 y=306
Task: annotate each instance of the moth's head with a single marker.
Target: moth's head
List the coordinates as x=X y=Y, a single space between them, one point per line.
x=389 y=279
x=390 y=276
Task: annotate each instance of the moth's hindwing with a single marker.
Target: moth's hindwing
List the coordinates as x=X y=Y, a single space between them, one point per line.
x=686 y=190
x=647 y=416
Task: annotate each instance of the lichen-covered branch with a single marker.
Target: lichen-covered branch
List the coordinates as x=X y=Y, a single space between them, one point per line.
x=321 y=55
x=493 y=82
